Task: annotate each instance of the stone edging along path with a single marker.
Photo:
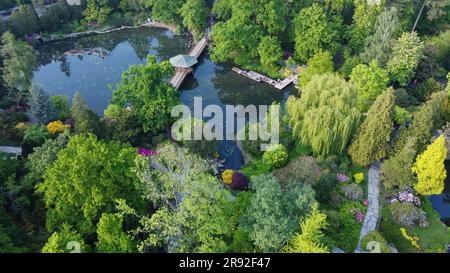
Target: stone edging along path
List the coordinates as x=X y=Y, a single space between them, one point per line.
x=373 y=209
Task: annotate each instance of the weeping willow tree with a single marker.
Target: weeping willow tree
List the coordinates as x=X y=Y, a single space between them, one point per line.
x=325 y=117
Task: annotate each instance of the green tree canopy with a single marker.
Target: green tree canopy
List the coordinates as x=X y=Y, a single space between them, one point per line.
x=41 y=106
x=195 y=16
x=19 y=60
x=111 y=237
x=315 y=32
x=320 y=63
x=85 y=180
x=364 y=18
x=243 y=30
x=378 y=45
x=437 y=8
x=24 y=21
x=395 y=173
x=406 y=54
x=86 y=120
x=371 y=143
x=167 y=11
x=325 y=117
x=65 y=240
x=309 y=240
x=269 y=51
x=151 y=98
x=370 y=81
x=272 y=217
x=428 y=118
x=97 y=11
x=191 y=204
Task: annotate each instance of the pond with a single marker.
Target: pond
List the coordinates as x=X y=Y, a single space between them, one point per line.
x=441 y=203
x=94 y=76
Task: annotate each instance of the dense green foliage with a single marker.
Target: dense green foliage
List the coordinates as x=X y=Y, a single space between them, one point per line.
x=315 y=32
x=192 y=206
x=309 y=239
x=86 y=178
x=371 y=81
x=19 y=60
x=149 y=97
x=249 y=32
x=327 y=102
x=274 y=212
x=371 y=143
x=395 y=173
x=111 y=237
x=320 y=63
x=406 y=54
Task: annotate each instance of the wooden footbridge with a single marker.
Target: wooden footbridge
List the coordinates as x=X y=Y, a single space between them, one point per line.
x=184 y=64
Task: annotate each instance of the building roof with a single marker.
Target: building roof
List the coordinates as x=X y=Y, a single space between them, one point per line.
x=184 y=61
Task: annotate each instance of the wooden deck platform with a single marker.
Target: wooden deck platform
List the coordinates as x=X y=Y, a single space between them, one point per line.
x=278 y=84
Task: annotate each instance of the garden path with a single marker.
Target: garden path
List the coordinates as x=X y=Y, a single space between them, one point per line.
x=373 y=209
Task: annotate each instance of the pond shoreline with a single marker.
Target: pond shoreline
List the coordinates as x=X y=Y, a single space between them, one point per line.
x=152 y=24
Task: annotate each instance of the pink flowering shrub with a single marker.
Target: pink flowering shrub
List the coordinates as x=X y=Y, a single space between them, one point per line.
x=342 y=178
x=359 y=215
x=406 y=196
x=365 y=202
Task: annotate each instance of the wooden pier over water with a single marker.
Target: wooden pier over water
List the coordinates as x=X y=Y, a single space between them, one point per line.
x=278 y=84
x=182 y=72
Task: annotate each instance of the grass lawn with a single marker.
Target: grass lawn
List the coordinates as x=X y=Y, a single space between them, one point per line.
x=436 y=236
x=431 y=239
x=391 y=232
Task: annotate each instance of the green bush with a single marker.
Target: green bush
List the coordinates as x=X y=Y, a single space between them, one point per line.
x=391 y=231
x=434 y=238
x=405 y=214
x=375 y=236
x=325 y=187
x=252 y=146
x=353 y=192
x=442 y=43
x=276 y=158
x=343 y=228
x=304 y=169
x=255 y=168
x=241 y=242
x=34 y=136
x=61 y=106
x=8 y=167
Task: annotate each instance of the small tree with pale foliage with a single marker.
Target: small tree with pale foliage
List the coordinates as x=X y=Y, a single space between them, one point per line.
x=309 y=240
x=406 y=54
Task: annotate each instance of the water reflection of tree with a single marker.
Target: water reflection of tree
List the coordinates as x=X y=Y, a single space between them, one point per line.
x=447 y=199
x=141 y=46
x=234 y=90
x=138 y=39
x=190 y=83
x=64 y=66
x=169 y=46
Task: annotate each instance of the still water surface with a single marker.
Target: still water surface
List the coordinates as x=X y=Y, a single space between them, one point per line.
x=94 y=77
